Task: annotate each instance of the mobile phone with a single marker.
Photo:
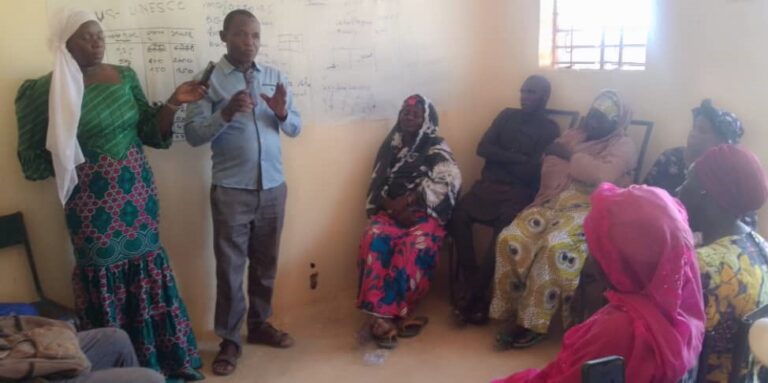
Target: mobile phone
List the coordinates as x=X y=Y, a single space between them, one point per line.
x=604 y=370
x=207 y=73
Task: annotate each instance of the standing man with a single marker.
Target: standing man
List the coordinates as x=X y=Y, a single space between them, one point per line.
x=512 y=147
x=246 y=107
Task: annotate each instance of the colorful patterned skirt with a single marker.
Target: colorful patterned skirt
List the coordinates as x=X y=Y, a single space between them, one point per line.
x=539 y=258
x=123 y=277
x=396 y=264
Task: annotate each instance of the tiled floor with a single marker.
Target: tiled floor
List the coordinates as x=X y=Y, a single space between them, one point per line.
x=326 y=350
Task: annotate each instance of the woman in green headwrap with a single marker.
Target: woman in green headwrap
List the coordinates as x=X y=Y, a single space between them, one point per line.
x=540 y=255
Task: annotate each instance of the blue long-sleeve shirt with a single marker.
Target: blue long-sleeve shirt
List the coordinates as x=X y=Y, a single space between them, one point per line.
x=246 y=150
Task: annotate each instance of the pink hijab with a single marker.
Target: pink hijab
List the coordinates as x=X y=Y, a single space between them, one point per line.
x=556 y=172
x=655 y=317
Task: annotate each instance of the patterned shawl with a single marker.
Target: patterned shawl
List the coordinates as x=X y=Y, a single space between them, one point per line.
x=556 y=172
x=426 y=167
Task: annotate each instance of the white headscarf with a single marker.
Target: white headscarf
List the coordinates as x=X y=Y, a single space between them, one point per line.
x=65 y=100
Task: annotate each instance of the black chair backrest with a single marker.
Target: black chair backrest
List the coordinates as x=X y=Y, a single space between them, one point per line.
x=571 y=116
x=13 y=232
x=646 y=137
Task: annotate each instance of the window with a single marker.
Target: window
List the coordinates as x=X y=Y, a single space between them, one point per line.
x=594 y=34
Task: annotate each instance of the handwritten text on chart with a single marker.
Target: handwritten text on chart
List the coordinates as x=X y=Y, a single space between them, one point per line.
x=154 y=51
x=340 y=57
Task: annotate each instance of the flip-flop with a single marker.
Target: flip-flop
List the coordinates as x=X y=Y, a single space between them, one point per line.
x=507 y=336
x=388 y=340
x=527 y=339
x=460 y=317
x=504 y=341
x=410 y=327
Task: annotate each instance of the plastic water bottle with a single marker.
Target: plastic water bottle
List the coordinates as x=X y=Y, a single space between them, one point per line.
x=376 y=357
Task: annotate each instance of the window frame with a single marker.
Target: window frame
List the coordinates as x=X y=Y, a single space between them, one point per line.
x=551 y=55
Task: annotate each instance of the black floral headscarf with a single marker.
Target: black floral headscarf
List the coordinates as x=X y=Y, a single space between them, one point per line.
x=726 y=124
x=426 y=167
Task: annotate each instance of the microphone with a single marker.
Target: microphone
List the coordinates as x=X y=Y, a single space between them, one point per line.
x=248 y=75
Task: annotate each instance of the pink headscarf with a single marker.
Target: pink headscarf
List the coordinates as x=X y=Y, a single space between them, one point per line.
x=733 y=177
x=655 y=317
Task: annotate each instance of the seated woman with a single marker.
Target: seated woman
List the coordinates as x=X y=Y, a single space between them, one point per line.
x=711 y=127
x=540 y=255
x=640 y=240
x=722 y=185
x=413 y=190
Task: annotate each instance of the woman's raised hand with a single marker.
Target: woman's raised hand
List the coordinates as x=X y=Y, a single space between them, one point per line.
x=189 y=91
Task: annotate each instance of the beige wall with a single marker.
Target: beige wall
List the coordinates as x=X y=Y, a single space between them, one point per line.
x=700 y=48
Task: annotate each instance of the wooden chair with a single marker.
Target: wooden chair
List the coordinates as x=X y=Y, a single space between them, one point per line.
x=13 y=232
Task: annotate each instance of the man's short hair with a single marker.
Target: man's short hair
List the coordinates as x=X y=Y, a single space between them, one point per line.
x=237 y=12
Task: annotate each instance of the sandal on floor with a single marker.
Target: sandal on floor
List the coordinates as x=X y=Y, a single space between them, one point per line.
x=527 y=339
x=225 y=361
x=460 y=316
x=410 y=327
x=508 y=335
x=472 y=309
x=504 y=341
x=386 y=339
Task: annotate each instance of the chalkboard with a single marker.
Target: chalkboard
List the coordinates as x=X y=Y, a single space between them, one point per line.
x=342 y=57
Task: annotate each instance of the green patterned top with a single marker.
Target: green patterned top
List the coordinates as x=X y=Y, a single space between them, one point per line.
x=113 y=117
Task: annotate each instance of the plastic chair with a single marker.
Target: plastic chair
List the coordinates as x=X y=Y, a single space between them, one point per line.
x=13 y=232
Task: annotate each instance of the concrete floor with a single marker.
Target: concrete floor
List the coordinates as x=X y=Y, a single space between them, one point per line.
x=327 y=350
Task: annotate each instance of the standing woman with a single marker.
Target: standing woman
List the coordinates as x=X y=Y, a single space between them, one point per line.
x=413 y=190
x=87 y=122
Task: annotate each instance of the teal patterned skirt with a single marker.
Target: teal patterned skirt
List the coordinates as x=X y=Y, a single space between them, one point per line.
x=123 y=277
